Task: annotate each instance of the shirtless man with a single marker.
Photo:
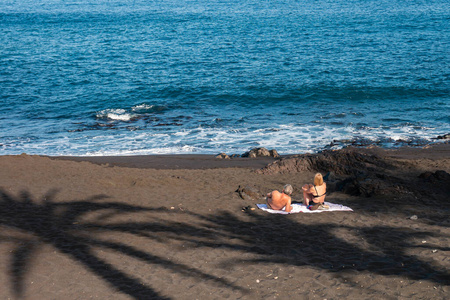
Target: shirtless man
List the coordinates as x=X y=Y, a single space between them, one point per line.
x=277 y=200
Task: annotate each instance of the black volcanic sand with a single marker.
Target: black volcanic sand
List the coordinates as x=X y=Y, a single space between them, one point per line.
x=174 y=227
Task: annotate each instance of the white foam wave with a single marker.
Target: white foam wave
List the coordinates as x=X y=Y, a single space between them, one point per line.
x=149 y=151
x=141 y=107
x=285 y=138
x=181 y=133
x=115 y=114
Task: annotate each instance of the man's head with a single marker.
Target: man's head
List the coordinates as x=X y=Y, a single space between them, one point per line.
x=288 y=189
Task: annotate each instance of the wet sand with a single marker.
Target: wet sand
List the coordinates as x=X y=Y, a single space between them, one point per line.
x=173 y=227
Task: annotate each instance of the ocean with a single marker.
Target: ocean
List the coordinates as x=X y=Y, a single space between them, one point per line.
x=137 y=77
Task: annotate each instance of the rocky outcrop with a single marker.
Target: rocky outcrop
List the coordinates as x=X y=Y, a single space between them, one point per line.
x=255 y=152
x=347 y=170
x=344 y=162
x=435 y=183
x=258 y=152
x=368 y=185
x=249 y=193
x=444 y=137
x=274 y=153
x=222 y=156
x=439 y=176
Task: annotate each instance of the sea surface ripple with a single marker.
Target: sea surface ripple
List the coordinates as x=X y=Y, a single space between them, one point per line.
x=131 y=77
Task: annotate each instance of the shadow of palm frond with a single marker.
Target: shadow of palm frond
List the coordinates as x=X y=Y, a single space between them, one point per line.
x=61 y=225
x=276 y=239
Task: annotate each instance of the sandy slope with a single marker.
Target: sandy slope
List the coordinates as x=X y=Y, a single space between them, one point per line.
x=80 y=230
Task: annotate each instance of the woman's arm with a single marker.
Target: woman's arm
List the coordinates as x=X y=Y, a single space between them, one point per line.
x=308 y=188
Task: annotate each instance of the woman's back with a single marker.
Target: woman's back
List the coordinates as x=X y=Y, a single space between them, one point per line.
x=319 y=192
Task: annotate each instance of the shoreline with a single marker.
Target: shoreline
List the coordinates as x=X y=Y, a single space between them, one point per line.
x=208 y=161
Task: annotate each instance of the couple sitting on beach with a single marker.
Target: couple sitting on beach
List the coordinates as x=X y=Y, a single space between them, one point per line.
x=313 y=196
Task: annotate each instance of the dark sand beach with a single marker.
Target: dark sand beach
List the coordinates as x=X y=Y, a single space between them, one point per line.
x=175 y=227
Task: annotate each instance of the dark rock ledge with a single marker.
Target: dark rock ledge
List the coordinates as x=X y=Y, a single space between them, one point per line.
x=253 y=153
x=363 y=174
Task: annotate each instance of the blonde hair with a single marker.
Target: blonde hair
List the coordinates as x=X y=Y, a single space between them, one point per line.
x=288 y=189
x=318 y=179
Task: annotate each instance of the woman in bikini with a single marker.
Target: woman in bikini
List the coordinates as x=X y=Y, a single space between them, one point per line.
x=315 y=194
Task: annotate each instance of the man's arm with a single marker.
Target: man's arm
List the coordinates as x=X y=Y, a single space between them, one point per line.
x=288 y=205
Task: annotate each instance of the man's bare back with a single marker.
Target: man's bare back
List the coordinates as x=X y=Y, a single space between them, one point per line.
x=277 y=201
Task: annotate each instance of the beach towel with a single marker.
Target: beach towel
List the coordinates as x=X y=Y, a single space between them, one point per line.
x=297 y=208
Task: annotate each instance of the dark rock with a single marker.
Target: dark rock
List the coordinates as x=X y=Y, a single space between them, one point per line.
x=258 y=152
x=222 y=156
x=339 y=162
x=438 y=176
x=274 y=153
x=329 y=177
x=444 y=137
x=348 y=171
x=441 y=175
x=426 y=175
x=368 y=185
x=249 y=193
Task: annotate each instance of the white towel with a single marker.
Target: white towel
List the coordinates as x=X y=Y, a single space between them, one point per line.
x=297 y=207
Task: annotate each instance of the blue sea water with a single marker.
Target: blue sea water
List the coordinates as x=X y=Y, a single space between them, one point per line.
x=129 y=77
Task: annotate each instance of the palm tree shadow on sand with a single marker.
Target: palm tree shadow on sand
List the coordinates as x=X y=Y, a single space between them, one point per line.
x=282 y=240
x=277 y=239
x=270 y=238
x=60 y=225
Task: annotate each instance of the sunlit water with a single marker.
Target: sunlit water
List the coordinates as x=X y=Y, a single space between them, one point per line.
x=147 y=77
